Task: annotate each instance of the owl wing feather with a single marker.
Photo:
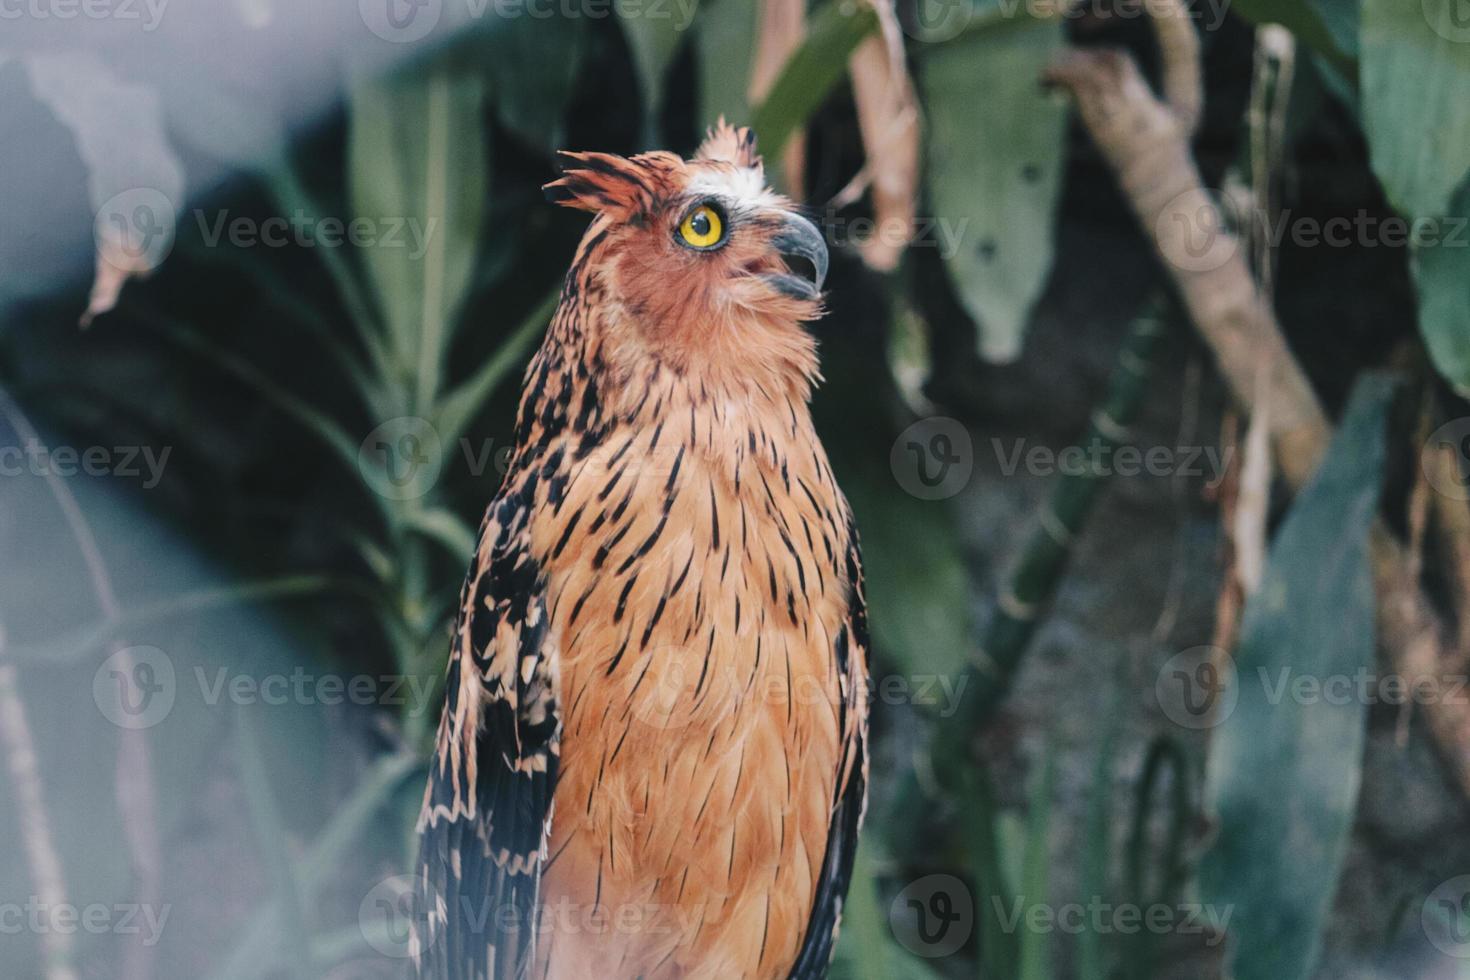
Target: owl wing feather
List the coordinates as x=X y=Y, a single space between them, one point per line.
x=487 y=808
x=851 y=651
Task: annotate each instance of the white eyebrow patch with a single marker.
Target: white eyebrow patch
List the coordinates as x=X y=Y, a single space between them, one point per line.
x=745 y=186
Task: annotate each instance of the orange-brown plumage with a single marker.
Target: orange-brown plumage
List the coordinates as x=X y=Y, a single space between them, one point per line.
x=653 y=747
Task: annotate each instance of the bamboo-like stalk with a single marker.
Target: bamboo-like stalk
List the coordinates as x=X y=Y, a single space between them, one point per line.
x=1031 y=583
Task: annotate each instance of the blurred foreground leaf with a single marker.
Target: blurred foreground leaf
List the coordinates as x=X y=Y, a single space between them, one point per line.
x=821 y=61
x=417 y=163
x=1415 y=73
x=1283 y=773
x=1442 y=276
x=994 y=149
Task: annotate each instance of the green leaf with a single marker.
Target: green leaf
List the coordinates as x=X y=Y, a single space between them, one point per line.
x=813 y=70
x=725 y=38
x=418 y=159
x=1034 y=955
x=446 y=528
x=1283 y=773
x=273 y=841
x=654 y=32
x=1442 y=275
x=258 y=951
x=1415 y=76
x=994 y=149
x=458 y=407
x=866 y=949
x=533 y=64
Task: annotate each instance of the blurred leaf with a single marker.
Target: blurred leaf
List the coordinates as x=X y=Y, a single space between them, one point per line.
x=1442 y=275
x=1415 y=75
x=654 y=32
x=135 y=181
x=917 y=586
x=724 y=38
x=271 y=837
x=834 y=32
x=1097 y=847
x=1283 y=772
x=1035 y=960
x=418 y=157
x=866 y=949
x=994 y=156
x=995 y=897
x=459 y=406
x=445 y=527
x=258 y=950
x=533 y=65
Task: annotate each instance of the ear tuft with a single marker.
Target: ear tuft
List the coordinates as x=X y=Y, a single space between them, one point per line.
x=605 y=182
x=731 y=144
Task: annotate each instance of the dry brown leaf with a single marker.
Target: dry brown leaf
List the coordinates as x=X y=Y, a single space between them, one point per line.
x=888 y=116
x=116 y=264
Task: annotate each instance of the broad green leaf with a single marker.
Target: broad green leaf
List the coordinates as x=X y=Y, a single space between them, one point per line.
x=418 y=160
x=533 y=65
x=866 y=949
x=1283 y=773
x=812 y=71
x=1442 y=275
x=994 y=150
x=725 y=38
x=1415 y=78
x=654 y=32
x=459 y=406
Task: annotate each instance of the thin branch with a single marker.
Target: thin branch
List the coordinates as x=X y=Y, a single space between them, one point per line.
x=136 y=795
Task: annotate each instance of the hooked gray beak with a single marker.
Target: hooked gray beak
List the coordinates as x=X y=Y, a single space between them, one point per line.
x=799 y=238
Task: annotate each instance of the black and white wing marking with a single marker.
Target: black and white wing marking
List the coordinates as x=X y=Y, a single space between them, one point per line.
x=487 y=808
x=851 y=651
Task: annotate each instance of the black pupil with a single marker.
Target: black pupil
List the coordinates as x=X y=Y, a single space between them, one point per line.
x=700 y=223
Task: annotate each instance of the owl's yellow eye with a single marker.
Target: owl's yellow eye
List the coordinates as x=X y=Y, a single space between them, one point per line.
x=702 y=227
